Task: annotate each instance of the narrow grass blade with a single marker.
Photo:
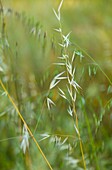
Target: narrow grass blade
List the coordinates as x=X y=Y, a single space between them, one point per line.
x=60 y=5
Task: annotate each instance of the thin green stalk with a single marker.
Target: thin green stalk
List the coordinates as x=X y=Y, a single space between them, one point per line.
x=74 y=110
x=94 y=62
x=44 y=101
x=79 y=137
x=39 y=117
x=91 y=140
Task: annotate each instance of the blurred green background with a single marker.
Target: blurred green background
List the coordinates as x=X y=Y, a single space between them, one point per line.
x=31 y=48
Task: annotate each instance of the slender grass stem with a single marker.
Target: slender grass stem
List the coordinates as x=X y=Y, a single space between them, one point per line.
x=92 y=59
x=39 y=117
x=91 y=140
x=79 y=137
x=74 y=110
x=44 y=101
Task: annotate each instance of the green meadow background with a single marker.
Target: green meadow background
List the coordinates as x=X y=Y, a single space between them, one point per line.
x=30 y=49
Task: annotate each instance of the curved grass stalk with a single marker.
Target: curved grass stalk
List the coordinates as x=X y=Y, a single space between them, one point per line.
x=92 y=59
x=64 y=46
x=79 y=137
x=22 y=119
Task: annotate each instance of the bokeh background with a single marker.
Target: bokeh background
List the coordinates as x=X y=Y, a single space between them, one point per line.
x=31 y=48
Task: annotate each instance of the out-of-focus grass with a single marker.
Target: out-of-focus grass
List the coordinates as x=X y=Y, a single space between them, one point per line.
x=31 y=57
x=90 y=23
